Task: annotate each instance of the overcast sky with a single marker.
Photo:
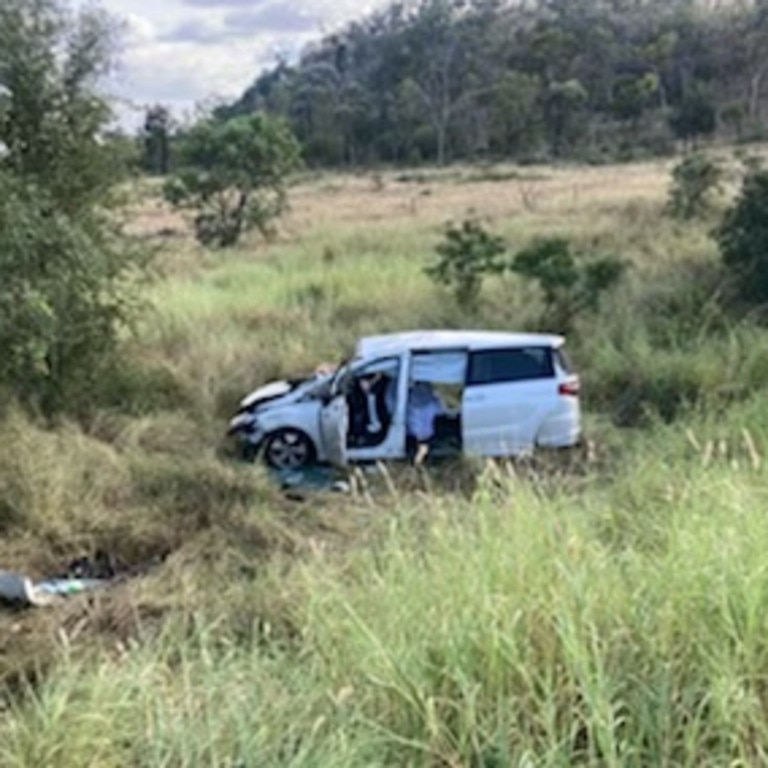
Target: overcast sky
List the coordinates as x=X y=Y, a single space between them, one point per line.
x=185 y=52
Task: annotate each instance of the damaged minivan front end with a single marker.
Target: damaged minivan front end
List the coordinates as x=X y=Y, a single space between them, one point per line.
x=262 y=408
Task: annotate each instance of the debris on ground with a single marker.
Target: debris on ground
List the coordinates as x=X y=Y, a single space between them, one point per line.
x=20 y=590
x=311 y=478
x=82 y=575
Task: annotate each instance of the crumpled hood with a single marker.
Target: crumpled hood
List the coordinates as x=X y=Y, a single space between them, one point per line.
x=283 y=392
x=267 y=392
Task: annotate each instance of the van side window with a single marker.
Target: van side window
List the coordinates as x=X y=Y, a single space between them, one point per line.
x=494 y=366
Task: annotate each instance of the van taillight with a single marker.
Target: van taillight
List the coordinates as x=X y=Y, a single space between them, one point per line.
x=569 y=388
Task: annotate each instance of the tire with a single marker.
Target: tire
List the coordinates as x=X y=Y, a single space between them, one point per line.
x=288 y=449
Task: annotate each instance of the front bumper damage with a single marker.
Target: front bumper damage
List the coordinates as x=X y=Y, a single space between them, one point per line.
x=247 y=435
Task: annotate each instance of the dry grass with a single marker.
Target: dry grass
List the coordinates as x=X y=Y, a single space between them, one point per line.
x=433 y=197
x=440 y=196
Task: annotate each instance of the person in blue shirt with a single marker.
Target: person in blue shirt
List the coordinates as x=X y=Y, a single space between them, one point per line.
x=424 y=406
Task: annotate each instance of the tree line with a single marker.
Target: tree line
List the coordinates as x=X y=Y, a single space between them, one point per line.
x=444 y=80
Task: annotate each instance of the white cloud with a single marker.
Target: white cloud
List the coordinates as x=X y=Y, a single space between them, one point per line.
x=184 y=52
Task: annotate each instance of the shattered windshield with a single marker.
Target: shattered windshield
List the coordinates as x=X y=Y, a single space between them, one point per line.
x=341 y=374
x=319 y=385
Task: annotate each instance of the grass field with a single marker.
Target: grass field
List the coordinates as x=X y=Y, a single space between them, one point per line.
x=608 y=610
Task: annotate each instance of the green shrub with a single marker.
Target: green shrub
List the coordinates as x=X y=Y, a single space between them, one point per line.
x=467 y=255
x=68 y=289
x=684 y=306
x=233 y=176
x=695 y=180
x=743 y=239
x=67 y=276
x=641 y=396
x=568 y=286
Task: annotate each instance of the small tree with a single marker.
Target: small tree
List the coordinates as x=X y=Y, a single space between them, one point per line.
x=52 y=118
x=156 y=139
x=233 y=175
x=567 y=286
x=66 y=291
x=695 y=181
x=65 y=272
x=743 y=238
x=467 y=254
x=564 y=104
x=695 y=116
x=632 y=96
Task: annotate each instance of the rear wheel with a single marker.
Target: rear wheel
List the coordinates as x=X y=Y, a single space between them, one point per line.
x=288 y=449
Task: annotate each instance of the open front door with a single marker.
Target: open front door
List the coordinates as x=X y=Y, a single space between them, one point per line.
x=334 y=419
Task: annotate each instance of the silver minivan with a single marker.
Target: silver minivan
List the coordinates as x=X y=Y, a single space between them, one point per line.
x=484 y=393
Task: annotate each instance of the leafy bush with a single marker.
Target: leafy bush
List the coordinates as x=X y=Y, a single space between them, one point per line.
x=665 y=393
x=743 y=238
x=52 y=117
x=695 y=180
x=684 y=306
x=467 y=255
x=66 y=273
x=695 y=115
x=233 y=176
x=66 y=291
x=568 y=287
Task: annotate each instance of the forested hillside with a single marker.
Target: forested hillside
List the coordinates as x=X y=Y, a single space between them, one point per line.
x=595 y=80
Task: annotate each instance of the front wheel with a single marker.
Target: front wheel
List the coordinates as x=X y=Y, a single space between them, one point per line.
x=288 y=449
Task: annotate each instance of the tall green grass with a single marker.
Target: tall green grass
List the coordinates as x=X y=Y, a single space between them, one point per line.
x=625 y=626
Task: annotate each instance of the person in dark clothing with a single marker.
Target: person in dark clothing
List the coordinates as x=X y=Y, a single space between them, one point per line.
x=370 y=409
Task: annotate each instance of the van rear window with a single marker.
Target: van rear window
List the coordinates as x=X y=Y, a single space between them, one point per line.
x=563 y=360
x=494 y=366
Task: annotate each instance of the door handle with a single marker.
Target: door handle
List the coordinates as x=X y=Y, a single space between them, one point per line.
x=474 y=399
